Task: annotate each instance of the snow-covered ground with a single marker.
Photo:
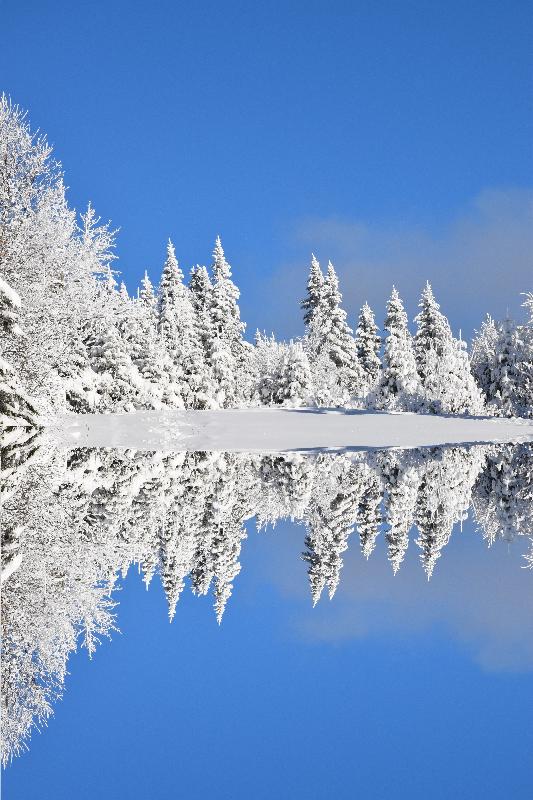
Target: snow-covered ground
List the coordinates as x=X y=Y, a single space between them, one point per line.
x=278 y=430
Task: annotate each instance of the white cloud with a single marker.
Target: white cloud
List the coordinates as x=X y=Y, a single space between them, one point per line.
x=478 y=263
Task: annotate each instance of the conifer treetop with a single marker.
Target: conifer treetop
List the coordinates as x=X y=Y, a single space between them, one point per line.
x=315 y=283
x=200 y=282
x=221 y=267
x=171 y=275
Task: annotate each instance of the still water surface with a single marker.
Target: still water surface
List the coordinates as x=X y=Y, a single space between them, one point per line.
x=340 y=624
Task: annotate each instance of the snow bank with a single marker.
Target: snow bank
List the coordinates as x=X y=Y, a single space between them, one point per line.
x=279 y=430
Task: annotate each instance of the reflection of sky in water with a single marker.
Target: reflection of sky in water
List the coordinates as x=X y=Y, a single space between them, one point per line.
x=395 y=688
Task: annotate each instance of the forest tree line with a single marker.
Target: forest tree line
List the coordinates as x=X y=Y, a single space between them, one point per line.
x=73 y=339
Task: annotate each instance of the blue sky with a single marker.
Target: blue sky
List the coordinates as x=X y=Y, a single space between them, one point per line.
x=394 y=137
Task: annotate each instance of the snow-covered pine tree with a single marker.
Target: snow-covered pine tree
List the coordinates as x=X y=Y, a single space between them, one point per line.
x=96 y=311
x=267 y=359
x=483 y=356
x=432 y=333
x=443 y=364
x=526 y=367
x=119 y=385
x=315 y=283
x=293 y=381
x=230 y=356
x=181 y=337
x=329 y=340
x=399 y=386
x=509 y=371
x=148 y=350
x=201 y=295
x=368 y=345
x=168 y=297
x=201 y=292
x=147 y=294
x=340 y=343
x=502 y=364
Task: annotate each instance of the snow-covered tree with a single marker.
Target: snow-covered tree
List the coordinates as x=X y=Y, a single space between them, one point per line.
x=315 y=284
x=399 y=387
x=16 y=409
x=483 y=356
x=329 y=340
x=339 y=340
x=502 y=363
x=181 y=336
x=119 y=384
x=146 y=346
x=368 y=345
x=229 y=355
x=201 y=295
x=433 y=330
x=443 y=365
x=268 y=357
x=293 y=381
x=48 y=259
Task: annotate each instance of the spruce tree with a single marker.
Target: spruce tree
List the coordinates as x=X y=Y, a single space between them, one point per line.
x=508 y=370
x=293 y=380
x=201 y=290
x=181 y=336
x=269 y=362
x=330 y=342
x=443 y=364
x=368 y=344
x=399 y=387
x=146 y=345
x=229 y=354
x=119 y=385
x=315 y=285
x=433 y=331
x=483 y=358
x=340 y=343
x=201 y=295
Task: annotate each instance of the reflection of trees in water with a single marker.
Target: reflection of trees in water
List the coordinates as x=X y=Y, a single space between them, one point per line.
x=71 y=525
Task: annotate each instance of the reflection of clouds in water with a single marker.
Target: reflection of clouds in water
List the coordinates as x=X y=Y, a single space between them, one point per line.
x=481 y=597
x=73 y=524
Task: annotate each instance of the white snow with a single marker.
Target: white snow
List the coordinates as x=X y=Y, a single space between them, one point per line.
x=279 y=430
x=9 y=293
